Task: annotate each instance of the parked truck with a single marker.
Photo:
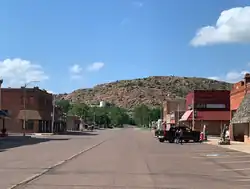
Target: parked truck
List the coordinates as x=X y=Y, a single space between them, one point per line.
x=188 y=134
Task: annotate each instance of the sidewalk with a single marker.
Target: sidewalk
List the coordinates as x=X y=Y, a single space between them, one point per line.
x=238 y=146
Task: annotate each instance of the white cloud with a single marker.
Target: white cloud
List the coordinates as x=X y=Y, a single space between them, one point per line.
x=75 y=71
x=16 y=72
x=233 y=26
x=231 y=77
x=96 y=66
x=138 y=4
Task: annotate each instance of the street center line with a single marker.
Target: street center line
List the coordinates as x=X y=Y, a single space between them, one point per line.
x=38 y=175
x=220 y=156
x=227 y=162
x=243 y=180
x=227 y=170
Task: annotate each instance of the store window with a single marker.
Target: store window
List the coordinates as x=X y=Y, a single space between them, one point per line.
x=31 y=100
x=29 y=124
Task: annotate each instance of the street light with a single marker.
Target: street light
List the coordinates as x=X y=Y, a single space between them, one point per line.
x=24 y=104
x=53 y=113
x=1 y=82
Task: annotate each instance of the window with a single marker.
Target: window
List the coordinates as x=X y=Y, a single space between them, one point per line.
x=200 y=106
x=31 y=100
x=29 y=125
x=21 y=100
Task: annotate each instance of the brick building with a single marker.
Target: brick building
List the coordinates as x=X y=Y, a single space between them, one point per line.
x=210 y=107
x=240 y=110
x=170 y=110
x=37 y=110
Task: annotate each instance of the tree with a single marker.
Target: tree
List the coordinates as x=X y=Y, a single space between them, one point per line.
x=64 y=105
x=155 y=114
x=116 y=116
x=80 y=110
x=142 y=115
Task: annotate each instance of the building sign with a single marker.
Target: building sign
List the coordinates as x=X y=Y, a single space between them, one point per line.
x=200 y=106
x=216 y=106
x=210 y=106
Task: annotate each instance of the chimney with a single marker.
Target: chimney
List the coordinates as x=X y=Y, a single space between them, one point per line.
x=247 y=82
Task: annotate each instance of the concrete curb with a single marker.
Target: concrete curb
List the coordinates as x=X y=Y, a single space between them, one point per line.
x=36 y=176
x=215 y=141
x=43 y=134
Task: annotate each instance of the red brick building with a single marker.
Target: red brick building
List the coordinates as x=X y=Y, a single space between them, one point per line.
x=36 y=112
x=211 y=107
x=236 y=96
x=170 y=110
x=240 y=110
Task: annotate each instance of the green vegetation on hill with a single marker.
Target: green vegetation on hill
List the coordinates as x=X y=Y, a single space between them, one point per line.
x=111 y=115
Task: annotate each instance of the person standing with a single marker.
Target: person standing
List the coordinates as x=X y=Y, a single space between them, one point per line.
x=180 y=136
x=177 y=135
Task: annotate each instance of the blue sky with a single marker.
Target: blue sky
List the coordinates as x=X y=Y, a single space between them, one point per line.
x=74 y=44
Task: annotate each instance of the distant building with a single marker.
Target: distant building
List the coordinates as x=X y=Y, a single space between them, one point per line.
x=102 y=104
x=210 y=108
x=170 y=110
x=37 y=110
x=73 y=123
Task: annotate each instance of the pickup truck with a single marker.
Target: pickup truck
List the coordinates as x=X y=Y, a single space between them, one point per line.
x=188 y=134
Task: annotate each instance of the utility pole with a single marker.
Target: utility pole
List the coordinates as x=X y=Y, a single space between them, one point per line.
x=193 y=121
x=178 y=113
x=53 y=113
x=1 y=82
x=24 y=105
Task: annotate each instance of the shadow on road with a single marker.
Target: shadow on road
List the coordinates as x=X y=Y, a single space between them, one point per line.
x=17 y=141
x=84 y=133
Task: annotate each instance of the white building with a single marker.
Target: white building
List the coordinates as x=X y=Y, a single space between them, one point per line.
x=102 y=104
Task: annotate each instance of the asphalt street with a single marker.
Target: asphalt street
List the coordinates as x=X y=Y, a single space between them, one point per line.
x=125 y=158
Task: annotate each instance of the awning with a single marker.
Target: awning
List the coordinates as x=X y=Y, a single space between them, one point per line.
x=186 y=115
x=29 y=115
x=4 y=114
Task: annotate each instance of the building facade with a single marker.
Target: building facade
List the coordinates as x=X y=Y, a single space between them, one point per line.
x=31 y=104
x=171 y=109
x=210 y=107
x=240 y=110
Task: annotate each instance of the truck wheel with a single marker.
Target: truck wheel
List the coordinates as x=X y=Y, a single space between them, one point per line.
x=161 y=139
x=196 y=140
x=186 y=141
x=171 y=140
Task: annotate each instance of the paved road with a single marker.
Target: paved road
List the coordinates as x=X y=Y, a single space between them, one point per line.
x=124 y=158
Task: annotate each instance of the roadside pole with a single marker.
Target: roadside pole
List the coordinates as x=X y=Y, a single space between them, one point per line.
x=193 y=122
x=24 y=108
x=178 y=109
x=24 y=105
x=53 y=113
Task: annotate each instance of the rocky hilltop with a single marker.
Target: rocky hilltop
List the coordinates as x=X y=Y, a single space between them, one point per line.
x=151 y=90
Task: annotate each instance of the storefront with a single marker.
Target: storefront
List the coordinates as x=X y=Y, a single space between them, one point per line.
x=207 y=107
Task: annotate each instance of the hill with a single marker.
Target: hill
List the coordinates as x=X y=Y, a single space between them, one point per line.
x=151 y=90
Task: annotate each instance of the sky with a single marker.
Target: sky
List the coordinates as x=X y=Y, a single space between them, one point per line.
x=65 y=45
